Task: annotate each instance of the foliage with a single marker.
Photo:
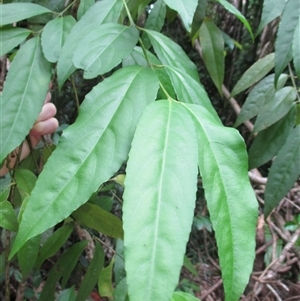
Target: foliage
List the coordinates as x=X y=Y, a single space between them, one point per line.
x=150 y=111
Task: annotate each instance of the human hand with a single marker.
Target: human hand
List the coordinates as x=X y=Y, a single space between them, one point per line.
x=44 y=125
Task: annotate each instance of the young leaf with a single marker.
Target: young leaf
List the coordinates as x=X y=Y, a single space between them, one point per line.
x=285 y=34
x=155 y=20
x=271 y=10
x=14 y=12
x=276 y=108
x=186 y=9
x=269 y=141
x=262 y=93
x=182 y=296
x=283 y=172
x=103 y=48
x=90 y=151
x=188 y=90
x=256 y=72
x=237 y=13
x=230 y=198
x=8 y=218
x=92 y=274
x=92 y=216
x=63 y=268
x=54 y=35
x=170 y=53
x=10 y=37
x=21 y=103
x=104 y=11
x=296 y=49
x=105 y=280
x=54 y=243
x=159 y=200
x=28 y=254
x=212 y=44
x=84 y=7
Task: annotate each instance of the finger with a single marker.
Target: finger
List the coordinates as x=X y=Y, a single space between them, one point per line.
x=48 y=111
x=48 y=97
x=44 y=127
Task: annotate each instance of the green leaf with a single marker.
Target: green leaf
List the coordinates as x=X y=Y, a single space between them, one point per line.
x=230 y=198
x=198 y=18
x=160 y=195
x=296 y=49
x=188 y=90
x=104 y=11
x=271 y=10
x=155 y=20
x=28 y=254
x=8 y=219
x=84 y=7
x=21 y=103
x=186 y=9
x=5 y=184
x=261 y=94
x=256 y=72
x=228 y=6
x=54 y=36
x=182 y=296
x=67 y=295
x=14 y=12
x=63 y=268
x=54 y=243
x=119 y=267
x=105 y=125
x=170 y=53
x=105 y=280
x=92 y=216
x=189 y=266
x=285 y=34
x=283 y=172
x=25 y=180
x=276 y=108
x=212 y=44
x=269 y=141
x=103 y=48
x=92 y=274
x=121 y=291
x=10 y=37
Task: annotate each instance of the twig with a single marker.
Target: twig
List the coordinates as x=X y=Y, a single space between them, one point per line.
x=213 y=288
x=274 y=292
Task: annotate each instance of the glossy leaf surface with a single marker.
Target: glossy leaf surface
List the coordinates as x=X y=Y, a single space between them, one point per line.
x=54 y=36
x=186 y=9
x=285 y=35
x=101 y=12
x=271 y=10
x=11 y=37
x=21 y=103
x=283 y=172
x=212 y=44
x=90 y=151
x=92 y=274
x=263 y=92
x=232 y=9
x=255 y=73
x=160 y=193
x=103 y=48
x=231 y=202
x=8 y=219
x=268 y=142
x=276 y=108
x=170 y=53
x=14 y=12
x=63 y=268
x=94 y=217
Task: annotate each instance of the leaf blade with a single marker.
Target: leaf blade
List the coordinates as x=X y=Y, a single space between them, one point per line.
x=155 y=240
x=106 y=120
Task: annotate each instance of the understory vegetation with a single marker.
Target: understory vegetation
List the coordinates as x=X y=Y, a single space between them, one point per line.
x=174 y=173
